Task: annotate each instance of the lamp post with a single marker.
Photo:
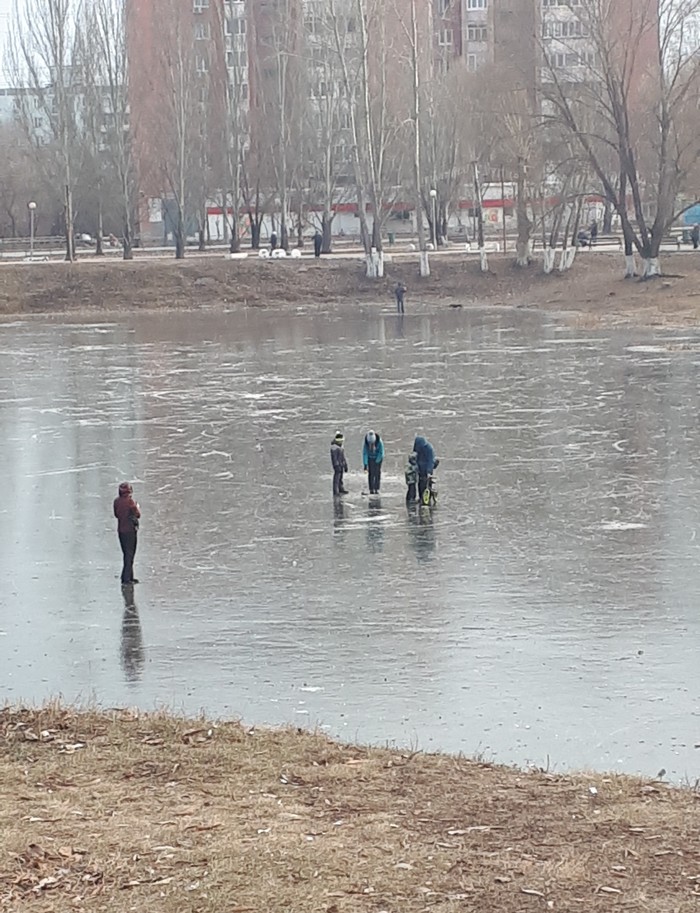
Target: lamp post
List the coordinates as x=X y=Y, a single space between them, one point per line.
x=433 y=202
x=31 y=206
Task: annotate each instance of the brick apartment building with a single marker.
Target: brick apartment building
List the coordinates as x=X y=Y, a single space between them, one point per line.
x=259 y=45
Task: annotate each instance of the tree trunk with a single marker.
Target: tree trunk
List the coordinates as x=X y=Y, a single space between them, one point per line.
x=607 y=218
x=255 y=230
x=68 y=213
x=327 y=231
x=548 y=259
x=235 y=243
x=522 y=245
x=202 y=246
x=99 y=250
x=483 y=259
x=180 y=235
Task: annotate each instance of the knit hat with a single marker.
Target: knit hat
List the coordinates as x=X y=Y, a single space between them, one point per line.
x=339 y=437
x=125 y=488
x=371 y=437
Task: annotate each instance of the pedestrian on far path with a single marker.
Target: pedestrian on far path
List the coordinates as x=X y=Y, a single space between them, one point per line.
x=400 y=293
x=128 y=514
x=273 y=241
x=372 y=459
x=318 y=244
x=594 y=232
x=339 y=463
x=695 y=236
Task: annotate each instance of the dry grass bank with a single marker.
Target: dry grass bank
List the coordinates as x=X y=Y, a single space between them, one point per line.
x=593 y=292
x=119 y=812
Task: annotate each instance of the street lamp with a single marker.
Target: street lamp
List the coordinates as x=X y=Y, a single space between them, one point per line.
x=31 y=206
x=433 y=202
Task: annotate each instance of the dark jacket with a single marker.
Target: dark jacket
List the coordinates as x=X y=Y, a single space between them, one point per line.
x=340 y=464
x=125 y=509
x=425 y=454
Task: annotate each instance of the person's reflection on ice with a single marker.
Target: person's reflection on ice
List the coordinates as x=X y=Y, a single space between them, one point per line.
x=132 y=651
x=375 y=526
x=421 y=532
x=340 y=517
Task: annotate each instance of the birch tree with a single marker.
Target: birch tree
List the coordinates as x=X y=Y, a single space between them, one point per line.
x=364 y=67
x=177 y=127
x=328 y=123
x=236 y=128
x=44 y=61
x=105 y=67
x=636 y=94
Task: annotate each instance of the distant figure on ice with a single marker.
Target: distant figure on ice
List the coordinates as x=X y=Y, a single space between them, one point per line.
x=695 y=236
x=372 y=459
x=318 y=244
x=339 y=463
x=400 y=293
x=412 y=479
x=425 y=459
x=594 y=232
x=128 y=514
x=273 y=241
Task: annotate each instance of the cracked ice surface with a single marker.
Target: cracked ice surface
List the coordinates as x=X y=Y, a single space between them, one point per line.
x=550 y=607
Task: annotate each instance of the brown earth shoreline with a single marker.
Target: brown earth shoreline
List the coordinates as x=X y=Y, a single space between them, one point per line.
x=593 y=293
x=118 y=811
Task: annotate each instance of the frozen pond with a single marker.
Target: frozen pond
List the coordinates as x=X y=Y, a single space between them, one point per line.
x=549 y=608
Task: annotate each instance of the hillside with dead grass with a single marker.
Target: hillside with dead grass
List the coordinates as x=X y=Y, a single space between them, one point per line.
x=593 y=293
x=120 y=812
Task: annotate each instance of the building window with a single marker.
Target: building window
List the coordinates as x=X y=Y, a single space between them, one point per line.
x=567 y=28
x=444 y=7
x=200 y=5
x=477 y=32
x=236 y=26
x=201 y=64
x=445 y=38
x=237 y=58
x=471 y=62
x=202 y=31
x=38 y=122
x=476 y=4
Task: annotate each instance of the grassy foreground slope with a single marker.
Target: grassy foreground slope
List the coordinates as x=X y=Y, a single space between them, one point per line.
x=120 y=812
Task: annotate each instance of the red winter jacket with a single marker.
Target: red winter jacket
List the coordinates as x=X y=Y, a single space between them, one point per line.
x=124 y=508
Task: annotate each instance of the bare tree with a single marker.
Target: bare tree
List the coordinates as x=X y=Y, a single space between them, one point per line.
x=328 y=135
x=44 y=62
x=364 y=64
x=106 y=62
x=177 y=131
x=636 y=95
x=236 y=135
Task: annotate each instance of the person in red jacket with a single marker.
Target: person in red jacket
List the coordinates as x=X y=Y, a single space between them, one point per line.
x=127 y=512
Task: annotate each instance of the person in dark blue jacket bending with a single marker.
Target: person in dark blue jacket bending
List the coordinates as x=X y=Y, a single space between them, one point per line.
x=425 y=456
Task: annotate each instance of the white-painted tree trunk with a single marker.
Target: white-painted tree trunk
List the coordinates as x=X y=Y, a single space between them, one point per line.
x=548 y=260
x=563 y=257
x=651 y=268
x=630 y=266
x=424 y=264
x=483 y=260
x=371 y=266
x=571 y=256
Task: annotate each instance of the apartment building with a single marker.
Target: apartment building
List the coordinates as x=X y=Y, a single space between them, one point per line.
x=518 y=35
